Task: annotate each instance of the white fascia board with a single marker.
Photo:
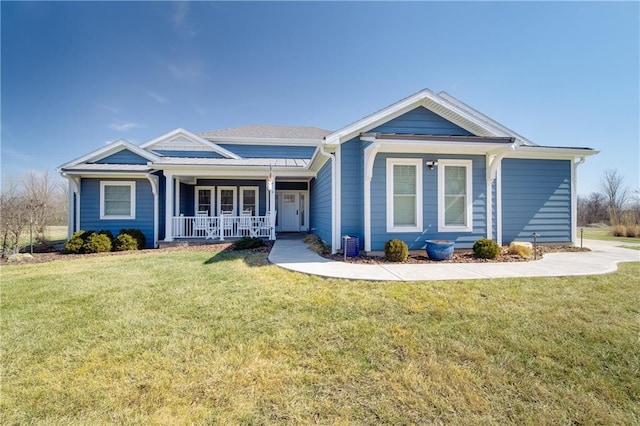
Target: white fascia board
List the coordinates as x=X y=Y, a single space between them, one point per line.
x=430 y=101
x=373 y=120
x=193 y=137
x=470 y=110
x=266 y=141
x=112 y=148
x=318 y=159
x=550 y=153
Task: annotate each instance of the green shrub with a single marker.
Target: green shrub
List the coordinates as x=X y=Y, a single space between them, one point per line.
x=125 y=242
x=247 y=243
x=97 y=243
x=396 y=251
x=75 y=243
x=137 y=234
x=485 y=248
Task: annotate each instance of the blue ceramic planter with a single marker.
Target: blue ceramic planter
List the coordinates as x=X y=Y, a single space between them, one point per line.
x=439 y=249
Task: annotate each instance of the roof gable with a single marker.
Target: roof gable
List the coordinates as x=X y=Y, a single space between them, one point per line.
x=421 y=121
x=183 y=140
x=445 y=106
x=113 y=149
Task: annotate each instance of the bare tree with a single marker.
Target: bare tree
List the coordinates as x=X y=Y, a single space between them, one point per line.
x=35 y=199
x=592 y=209
x=612 y=187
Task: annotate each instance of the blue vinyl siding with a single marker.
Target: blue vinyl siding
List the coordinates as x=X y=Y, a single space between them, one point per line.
x=352 y=189
x=188 y=154
x=123 y=157
x=270 y=151
x=421 y=121
x=162 y=184
x=536 y=197
x=320 y=204
x=416 y=240
x=187 y=194
x=90 y=209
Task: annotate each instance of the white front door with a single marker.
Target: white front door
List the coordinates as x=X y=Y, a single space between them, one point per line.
x=290 y=215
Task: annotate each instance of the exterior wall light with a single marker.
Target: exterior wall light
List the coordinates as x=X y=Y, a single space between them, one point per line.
x=432 y=164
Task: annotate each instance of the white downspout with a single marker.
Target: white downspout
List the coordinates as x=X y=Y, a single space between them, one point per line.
x=369 y=157
x=334 y=241
x=153 y=180
x=574 y=199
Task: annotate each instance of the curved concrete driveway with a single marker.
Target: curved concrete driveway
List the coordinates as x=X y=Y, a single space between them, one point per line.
x=603 y=258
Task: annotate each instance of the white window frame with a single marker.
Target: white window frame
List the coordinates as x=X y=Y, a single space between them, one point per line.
x=235 y=199
x=468 y=164
x=417 y=162
x=241 y=198
x=213 y=199
x=132 y=212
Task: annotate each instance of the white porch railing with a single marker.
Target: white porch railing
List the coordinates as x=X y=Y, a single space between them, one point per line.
x=224 y=226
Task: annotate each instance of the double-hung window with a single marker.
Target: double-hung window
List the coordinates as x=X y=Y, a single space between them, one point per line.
x=455 y=201
x=404 y=195
x=117 y=200
x=249 y=199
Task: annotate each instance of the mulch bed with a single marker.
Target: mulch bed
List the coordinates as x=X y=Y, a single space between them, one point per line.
x=462 y=256
x=57 y=252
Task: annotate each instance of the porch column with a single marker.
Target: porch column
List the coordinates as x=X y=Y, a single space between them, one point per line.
x=168 y=203
x=369 y=158
x=272 y=209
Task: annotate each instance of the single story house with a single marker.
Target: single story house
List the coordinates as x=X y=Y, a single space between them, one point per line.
x=426 y=167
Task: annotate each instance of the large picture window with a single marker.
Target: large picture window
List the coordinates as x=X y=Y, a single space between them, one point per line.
x=455 y=201
x=404 y=195
x=117 y=200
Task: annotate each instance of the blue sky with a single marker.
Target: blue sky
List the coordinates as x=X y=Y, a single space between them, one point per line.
x=76 y=75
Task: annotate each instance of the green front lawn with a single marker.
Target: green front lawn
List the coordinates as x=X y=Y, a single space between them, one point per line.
x=205 y=337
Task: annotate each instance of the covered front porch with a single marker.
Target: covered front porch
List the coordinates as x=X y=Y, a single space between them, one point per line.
x=210 y=207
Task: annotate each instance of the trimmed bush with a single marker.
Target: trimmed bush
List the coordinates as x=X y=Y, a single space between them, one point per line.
x=520 y=250
x=125 y=242
x=247 y=243
x=137 y=234
x=485 y=248
x=396 y=251
x=97 y=243
x=75 y=243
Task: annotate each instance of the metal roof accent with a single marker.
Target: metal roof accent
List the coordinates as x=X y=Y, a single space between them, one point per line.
x=248 y=162
x=440 y=138
x=95 y=167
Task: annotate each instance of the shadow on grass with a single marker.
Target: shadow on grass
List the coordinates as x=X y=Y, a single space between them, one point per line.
x=250 y=258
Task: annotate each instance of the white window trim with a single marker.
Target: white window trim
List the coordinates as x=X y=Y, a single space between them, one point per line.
x=468 y=164
x=241 y=197
x=417 y=162
x=213 y=199
x=132 y=185
x=235 y=198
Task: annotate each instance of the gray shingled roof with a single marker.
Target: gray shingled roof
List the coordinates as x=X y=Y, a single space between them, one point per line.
x=261 y=131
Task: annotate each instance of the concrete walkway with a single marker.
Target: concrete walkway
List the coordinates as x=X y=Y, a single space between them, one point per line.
x=603 y=258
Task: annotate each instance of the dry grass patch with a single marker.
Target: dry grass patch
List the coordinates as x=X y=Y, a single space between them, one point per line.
x=219 y=337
